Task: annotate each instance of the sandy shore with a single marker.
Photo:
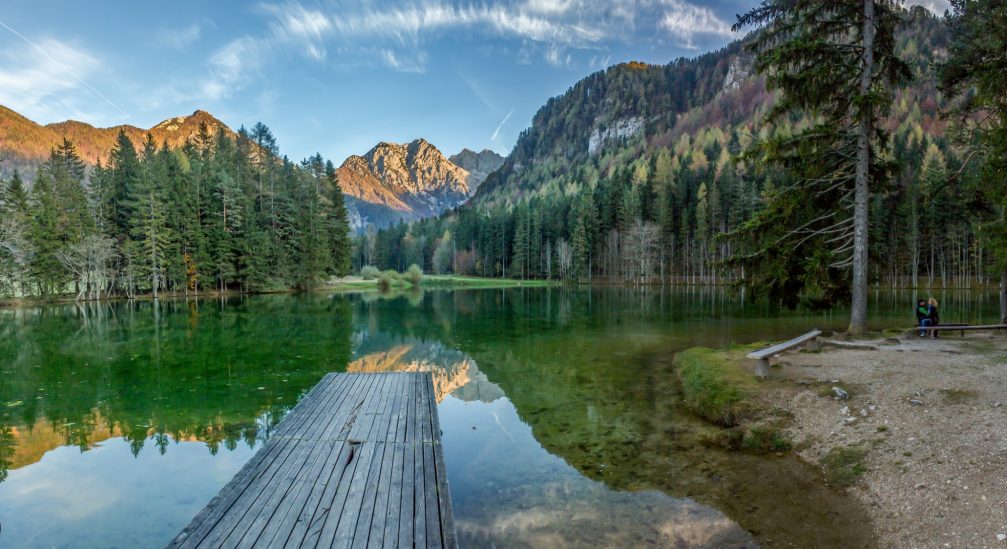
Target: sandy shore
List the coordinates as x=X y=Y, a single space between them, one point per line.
x=928 y=417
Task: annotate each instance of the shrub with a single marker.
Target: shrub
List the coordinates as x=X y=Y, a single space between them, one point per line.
x=386 y=279
x=414 y=275
x=369 y=272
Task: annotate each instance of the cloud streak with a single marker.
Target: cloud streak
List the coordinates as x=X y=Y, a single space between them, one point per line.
x=43 y=78
x=496 y=132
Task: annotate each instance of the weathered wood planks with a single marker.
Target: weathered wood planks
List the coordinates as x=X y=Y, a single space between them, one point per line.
x=357 y=463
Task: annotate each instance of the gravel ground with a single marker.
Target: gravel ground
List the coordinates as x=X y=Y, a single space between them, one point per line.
x=932 y=417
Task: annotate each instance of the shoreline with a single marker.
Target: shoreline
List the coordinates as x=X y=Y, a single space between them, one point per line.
x=350 y=284
x=920 y=441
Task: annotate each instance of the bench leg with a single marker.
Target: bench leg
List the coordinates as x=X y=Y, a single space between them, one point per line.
x=813 y=345
x=762 y=368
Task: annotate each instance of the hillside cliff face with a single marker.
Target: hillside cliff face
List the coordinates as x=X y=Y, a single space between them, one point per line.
x=612 y=118
x=393 y=182
x=25 y=144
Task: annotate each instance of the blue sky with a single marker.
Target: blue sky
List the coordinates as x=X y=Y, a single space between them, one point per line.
x=336 y=76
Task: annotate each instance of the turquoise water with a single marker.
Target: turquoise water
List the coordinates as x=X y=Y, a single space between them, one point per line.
x=119 y=421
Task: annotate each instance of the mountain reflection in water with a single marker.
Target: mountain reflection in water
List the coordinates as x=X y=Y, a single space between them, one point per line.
x=508 y=490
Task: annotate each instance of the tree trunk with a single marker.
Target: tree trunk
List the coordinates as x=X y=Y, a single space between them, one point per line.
x=1003 y=297
x=858 y=312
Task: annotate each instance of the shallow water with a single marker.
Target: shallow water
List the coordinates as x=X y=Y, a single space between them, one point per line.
x=118 y=422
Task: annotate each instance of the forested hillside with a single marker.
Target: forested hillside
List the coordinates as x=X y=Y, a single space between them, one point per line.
x=219 y=211
x=637 y=173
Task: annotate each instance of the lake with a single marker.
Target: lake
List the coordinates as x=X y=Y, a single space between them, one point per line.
x=560 y=415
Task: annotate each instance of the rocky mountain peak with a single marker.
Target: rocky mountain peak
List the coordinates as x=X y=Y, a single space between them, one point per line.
x=478 y=164
x=405 y=181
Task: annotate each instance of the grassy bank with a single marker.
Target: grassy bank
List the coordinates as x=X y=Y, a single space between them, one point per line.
x=718 y=387
x=356 y=283
x=346 y=284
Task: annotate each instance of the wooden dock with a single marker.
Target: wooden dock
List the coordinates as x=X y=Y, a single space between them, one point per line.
x=357 y=463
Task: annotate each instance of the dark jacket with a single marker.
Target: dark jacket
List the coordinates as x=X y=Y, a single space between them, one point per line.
x=935 y=318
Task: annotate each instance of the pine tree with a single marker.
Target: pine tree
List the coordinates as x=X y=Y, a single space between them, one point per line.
x=151 y=237
x=47 y=237
x=337 y=224
x=123 y=172
x=519 y=263
x=834 y=59
x=974 y=74
x=582 y=235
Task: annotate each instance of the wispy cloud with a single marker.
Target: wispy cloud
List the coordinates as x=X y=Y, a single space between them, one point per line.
x=496 y=132
x=180 y=39
x=600 y=62
x=398 y=32
x=416 y=63
x=397 y=35
x=41 y=79
x=232 y=65
x=684 y=22
x=305 y=28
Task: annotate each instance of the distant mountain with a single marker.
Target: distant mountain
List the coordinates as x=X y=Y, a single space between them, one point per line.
x=411 y=181
x=24 y=144
x=479 y=165
x=391 y=182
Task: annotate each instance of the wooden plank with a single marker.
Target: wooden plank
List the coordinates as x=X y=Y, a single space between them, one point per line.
x=780 y=347
x=949 y=327
x=357 y=463
x=431 y=503
x=390 y=526
x=356 y=532
x=334 y=496
x=326 y=522
x=298 y=529
x=342 y=530
x=448 y=535
x=291 y=530
x=419 y=488
x=368 y=535
x=406 y=497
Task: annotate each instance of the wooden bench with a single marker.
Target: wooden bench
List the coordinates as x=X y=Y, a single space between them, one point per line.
x=957 y=328
x=763 y=356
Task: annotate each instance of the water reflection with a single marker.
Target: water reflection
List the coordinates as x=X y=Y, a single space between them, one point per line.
x=557 y=405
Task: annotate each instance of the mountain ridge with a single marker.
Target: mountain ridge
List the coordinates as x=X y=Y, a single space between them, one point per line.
x=389 y=183
x=25 y=144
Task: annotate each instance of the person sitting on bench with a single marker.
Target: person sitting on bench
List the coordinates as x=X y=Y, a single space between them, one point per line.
x=922 y=316
x=933 y=315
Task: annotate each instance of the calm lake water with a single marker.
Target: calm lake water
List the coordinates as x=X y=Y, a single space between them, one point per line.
x=118 y=422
